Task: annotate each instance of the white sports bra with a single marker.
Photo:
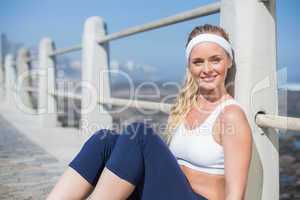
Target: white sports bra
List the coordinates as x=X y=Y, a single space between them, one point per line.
x=196 y=148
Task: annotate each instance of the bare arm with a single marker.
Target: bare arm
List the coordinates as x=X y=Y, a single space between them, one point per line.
x=237 y=143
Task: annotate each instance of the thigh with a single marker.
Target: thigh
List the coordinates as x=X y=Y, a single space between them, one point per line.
x=164 y=178
x=143 y=158
x=91 y=159
x=84 y=170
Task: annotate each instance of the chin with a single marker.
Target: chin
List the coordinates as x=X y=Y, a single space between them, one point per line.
x=207 y=87
x=203 y=83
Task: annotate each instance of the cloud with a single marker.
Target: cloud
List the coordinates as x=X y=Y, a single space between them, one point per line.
x=133 y=69
x=75 y=64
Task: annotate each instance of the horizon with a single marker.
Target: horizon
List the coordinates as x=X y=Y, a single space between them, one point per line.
x=134 y=53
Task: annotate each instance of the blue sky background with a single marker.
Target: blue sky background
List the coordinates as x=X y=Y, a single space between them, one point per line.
x=27 y=21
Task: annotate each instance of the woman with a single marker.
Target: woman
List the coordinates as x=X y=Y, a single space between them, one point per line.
x=209 y=141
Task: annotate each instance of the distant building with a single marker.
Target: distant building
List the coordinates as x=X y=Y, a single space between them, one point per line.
x=290 y=86
x=8 y=47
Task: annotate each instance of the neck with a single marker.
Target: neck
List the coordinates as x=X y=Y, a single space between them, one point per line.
x=212 y=97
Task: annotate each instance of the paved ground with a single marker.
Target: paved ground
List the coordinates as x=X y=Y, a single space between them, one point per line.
x=26 y=170
x=60 y=142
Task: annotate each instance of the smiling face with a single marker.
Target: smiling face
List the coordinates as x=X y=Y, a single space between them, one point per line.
x=208 y=64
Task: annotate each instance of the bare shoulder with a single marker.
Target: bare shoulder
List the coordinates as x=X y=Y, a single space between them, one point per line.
x=233 y=113
x=234 y=120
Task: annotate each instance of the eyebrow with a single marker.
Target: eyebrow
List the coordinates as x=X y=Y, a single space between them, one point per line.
x=211 y=57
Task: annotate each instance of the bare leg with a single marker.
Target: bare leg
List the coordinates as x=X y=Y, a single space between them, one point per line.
x=87 y=167
x=71 y=185
x=112 y=187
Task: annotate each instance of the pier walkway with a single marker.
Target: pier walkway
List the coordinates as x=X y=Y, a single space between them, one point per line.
x=32 y=158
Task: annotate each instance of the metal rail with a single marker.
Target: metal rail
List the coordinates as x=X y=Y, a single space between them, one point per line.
x=66 y=95
x=184 y=16
x=136 y=104
x=262 y=120
x=280 y=122
x=119 y=101
x=66 y=50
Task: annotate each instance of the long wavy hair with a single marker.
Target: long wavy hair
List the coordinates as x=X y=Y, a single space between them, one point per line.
x=187 y=96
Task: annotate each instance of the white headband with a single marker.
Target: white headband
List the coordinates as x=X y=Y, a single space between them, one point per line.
x=206 y=37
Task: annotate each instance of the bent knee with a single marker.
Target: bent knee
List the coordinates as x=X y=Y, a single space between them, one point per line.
x=141 y=131
x=103 y=133
x=102 y=137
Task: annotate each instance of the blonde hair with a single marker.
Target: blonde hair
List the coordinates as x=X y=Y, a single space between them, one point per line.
x=187 y=96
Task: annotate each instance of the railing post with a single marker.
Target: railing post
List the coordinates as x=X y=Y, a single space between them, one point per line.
x=252 y=28
x=95 y=77
x=10 y=78
x=24 y=79
x=47 y=104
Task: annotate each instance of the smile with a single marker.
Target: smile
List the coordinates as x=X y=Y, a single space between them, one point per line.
x=209 y=79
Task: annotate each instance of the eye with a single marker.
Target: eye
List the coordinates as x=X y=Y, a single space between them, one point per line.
x=216 y=60
x=197 y=62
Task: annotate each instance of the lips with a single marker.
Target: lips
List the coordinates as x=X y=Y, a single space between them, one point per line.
x=209 y=78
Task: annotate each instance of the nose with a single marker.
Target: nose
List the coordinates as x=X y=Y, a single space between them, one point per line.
x=207 y=67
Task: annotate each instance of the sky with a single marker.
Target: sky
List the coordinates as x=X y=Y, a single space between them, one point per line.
x=161 y=50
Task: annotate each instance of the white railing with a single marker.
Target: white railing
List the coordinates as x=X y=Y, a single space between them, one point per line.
x=261 y=119
x=47 y=91
x=279 y=122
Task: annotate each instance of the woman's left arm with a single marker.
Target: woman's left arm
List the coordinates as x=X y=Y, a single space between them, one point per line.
x=237 y=144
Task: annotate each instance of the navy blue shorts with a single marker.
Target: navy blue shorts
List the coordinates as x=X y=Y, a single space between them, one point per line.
x=139 y=156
